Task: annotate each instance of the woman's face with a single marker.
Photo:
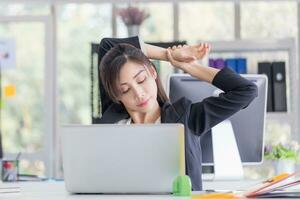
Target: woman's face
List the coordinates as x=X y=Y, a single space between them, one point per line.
x=138 y=87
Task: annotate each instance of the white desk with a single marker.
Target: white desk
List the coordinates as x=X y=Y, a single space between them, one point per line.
x=55 y=190
x=51 y=190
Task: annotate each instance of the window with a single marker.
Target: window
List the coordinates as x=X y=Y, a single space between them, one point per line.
x=206 y=21
x=24 y=9
x=158 y=27
x=78 y=26
x=271 y=19
x=23 y=125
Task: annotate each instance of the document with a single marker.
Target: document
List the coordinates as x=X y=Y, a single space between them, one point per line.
x=280 y=186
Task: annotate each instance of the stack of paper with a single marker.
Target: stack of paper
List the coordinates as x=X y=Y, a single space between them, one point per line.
x=277 y=186
x=280 y=186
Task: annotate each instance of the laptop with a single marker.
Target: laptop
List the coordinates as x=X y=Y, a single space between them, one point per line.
x=115 y=158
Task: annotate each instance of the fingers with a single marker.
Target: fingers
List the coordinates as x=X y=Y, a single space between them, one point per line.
x=177 y=47
x=203 y=46
x=206 y=45
x=209 y=48
x=200 y=46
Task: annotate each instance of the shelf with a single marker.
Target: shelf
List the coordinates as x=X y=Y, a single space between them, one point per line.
x=282 y=116
x=287 y=46
x=252 y=45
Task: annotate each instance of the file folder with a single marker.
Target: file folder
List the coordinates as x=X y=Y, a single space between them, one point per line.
x=279 y=86
x=266 y=68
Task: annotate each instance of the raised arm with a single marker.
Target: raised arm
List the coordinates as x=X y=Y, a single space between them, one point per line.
x=238 y=94
x=184 y=53
x=155 y=52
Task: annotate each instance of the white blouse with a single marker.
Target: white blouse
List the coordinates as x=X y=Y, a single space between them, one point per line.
x=129 y=121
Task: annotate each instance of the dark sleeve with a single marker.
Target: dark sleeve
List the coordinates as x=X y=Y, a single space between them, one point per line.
x=238 y=94
x=105 y=45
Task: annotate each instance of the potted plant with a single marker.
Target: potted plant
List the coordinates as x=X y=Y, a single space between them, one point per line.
x=285 y=156
x=133 y=17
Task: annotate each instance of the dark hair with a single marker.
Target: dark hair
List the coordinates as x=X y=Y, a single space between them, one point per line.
x=112 y=63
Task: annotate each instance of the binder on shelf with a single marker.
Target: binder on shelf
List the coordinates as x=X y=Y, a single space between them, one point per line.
x=231 y=63
x=266 y=68
x=238 y=65
x=241 y=65
x=211 y=62
x=279 y=86
x=219 y=63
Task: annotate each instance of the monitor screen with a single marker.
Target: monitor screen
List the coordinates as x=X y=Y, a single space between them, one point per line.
x=248 y=124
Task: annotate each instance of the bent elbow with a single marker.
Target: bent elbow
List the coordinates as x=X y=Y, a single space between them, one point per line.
x=252 y=93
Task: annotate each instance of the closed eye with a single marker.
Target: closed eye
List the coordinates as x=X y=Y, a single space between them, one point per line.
x=125 y=91
x=142 y=81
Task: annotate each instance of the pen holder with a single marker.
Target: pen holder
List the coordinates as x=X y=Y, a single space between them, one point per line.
x=10 y=169
x=182 y=186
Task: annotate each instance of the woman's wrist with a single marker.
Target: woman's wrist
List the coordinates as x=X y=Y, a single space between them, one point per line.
x=157 y=53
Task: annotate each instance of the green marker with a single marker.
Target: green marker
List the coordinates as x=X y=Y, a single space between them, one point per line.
x=182 y=186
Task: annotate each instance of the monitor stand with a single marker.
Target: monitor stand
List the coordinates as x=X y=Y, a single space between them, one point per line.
x=227 y=160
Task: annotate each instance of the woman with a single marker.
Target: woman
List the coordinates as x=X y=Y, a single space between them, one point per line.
x=132 y=83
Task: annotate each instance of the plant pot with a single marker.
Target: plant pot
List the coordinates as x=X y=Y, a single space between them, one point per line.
x=133 y=30
x=285 y=166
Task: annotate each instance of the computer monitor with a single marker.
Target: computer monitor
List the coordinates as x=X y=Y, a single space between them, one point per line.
x=248 y=124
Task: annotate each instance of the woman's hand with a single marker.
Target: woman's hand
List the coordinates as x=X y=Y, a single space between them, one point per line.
x=180 y=64
x=187 y=53
x=193 y=68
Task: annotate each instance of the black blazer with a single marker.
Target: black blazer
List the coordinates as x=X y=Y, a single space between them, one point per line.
x=198 y=118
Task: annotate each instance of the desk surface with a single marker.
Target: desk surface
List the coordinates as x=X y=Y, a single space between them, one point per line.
x=55 y=190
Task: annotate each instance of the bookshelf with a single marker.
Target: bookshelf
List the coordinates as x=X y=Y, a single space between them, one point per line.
x=282 y=49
